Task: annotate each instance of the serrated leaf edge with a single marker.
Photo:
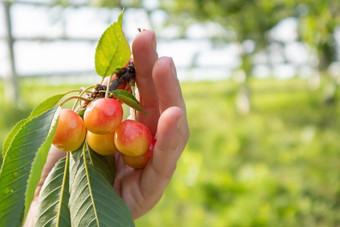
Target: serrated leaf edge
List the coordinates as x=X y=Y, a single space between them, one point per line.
x=15 y=130
x=121 y=34
x=21 y=123
x=28 y=198
x=27 y=121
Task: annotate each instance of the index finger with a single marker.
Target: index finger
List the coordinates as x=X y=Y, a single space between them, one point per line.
x=145 y=56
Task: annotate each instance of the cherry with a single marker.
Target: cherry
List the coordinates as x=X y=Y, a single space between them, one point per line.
x=102 y=144
x=132 y=138
x=70 y=132
x=103 y=115
x=139 y=162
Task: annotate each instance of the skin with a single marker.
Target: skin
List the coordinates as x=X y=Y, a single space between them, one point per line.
x=160 y=95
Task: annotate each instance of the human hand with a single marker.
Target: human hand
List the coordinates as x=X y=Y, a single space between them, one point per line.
x=160 y=95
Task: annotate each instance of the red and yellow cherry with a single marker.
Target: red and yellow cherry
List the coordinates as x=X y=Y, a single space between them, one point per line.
x=139 y=162
x=70 y=132
x=102 y=144
x=132 y=138
x=103 y=115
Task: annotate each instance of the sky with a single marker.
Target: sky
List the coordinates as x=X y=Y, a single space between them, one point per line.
x=212 y=62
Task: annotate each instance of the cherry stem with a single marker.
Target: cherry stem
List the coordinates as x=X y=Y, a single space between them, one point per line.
x=134 y=94
x=80 y=94
x=74 y=97
x=69 y=92
x=108 y=86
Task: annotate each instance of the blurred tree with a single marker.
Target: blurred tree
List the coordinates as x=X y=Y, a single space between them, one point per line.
x=247 y=22
x=318 y=21
x=250 y=21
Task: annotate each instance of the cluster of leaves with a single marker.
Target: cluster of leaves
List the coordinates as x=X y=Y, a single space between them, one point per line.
x=79 y=189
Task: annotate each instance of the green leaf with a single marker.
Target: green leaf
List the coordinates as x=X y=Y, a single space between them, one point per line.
x=128 y=99
x=42 y=107
x=47 y=104
x=106 y=165
x=42 y=153
x=54 y=196
x=113 y=50
x=39 y=162
x=17 y=164
x=93 y=201
x=11 y=136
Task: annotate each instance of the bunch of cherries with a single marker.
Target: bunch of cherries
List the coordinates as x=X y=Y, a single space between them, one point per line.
x=100 y=121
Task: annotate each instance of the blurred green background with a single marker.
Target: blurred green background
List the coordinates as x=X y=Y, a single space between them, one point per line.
x=263 y=150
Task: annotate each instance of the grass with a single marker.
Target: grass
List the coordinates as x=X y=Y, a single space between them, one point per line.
x=276 y=166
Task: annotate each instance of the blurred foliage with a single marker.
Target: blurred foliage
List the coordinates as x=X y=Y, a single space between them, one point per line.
x=318 y=22
x=252 y=20
x=243 y=22
x=247 y=22
x=277 y=166
x=242 y=19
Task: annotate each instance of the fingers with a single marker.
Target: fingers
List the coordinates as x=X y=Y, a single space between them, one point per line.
x=167 y=85
x=171 y=140
x=145 y=56
x=172 y=136
x=172 y=130
x=161 y=97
